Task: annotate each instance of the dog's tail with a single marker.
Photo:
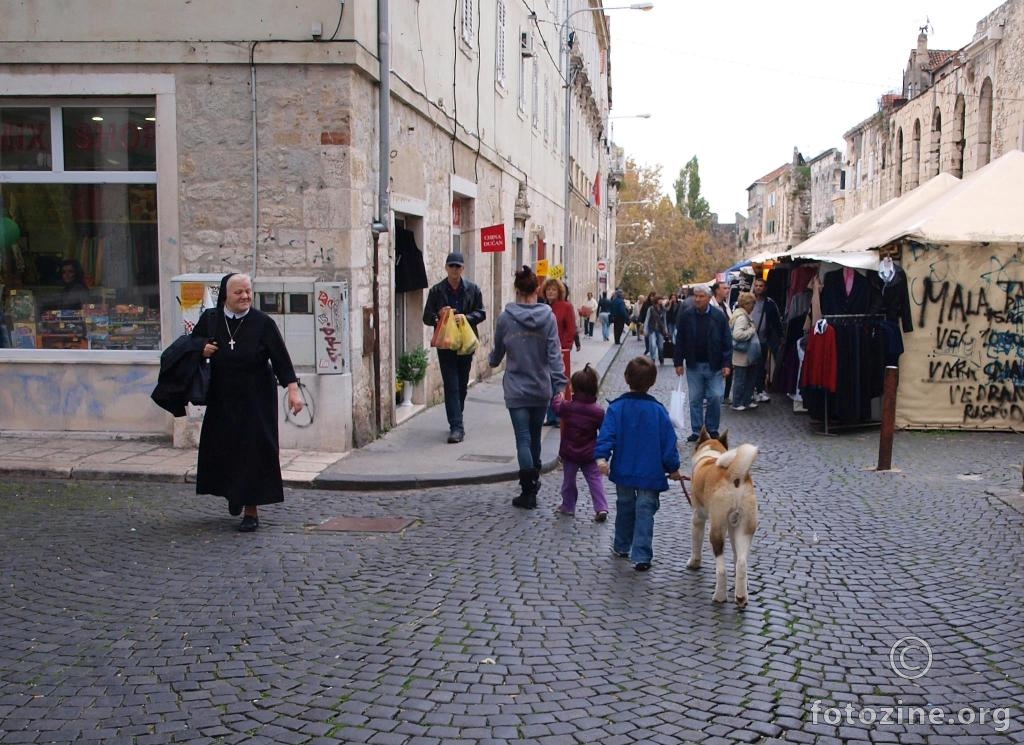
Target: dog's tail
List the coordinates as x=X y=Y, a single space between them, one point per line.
x=737 y=462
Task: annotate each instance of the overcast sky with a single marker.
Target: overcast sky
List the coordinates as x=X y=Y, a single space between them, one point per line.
x=739 y=83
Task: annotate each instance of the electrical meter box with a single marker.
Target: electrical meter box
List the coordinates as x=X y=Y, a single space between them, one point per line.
x=193 y=293
x=289 y=301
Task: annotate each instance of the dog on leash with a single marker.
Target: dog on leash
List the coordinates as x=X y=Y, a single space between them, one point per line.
x=724 y=493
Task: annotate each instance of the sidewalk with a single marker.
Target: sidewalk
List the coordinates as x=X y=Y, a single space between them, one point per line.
x=412 y=455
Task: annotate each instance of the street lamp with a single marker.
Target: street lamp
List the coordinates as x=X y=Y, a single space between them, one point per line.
x=568 y=78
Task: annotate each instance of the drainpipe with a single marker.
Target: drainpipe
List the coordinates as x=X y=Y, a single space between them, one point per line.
x=380 y=223
x=255 y=162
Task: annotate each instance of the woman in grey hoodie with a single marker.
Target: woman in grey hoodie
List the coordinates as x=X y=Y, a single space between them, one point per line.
x=527 y=334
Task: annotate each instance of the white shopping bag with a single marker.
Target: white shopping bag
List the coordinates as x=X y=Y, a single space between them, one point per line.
x=678 y=407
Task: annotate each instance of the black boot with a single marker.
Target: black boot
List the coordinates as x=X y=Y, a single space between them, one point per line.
x=529 y=482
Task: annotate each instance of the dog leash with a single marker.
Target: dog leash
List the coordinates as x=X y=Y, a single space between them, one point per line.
x=682 y=482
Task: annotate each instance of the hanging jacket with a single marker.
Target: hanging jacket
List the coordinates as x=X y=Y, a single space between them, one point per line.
x=183 y=377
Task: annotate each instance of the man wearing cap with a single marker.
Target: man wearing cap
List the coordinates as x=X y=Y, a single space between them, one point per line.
x=704 y=354
x=466 y=301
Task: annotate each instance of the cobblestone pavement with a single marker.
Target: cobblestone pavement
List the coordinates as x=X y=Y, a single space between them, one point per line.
x=134 y=613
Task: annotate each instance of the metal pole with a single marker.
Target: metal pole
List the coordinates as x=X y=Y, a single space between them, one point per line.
x=892 y=379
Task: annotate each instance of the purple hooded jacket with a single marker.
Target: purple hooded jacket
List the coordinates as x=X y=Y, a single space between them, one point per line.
x=581 y=418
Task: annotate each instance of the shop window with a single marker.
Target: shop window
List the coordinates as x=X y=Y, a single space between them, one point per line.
x=78 y=227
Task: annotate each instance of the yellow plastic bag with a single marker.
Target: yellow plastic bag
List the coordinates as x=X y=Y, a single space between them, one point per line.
x=467 y=339
x=446 y=333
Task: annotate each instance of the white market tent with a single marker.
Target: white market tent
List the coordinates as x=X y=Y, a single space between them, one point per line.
x=986 y=207
x=851 y=243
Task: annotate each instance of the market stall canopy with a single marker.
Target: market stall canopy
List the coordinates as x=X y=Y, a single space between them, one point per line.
x=983 y=208
x=850 y=243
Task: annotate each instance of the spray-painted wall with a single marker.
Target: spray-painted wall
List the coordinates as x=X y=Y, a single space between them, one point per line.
x=963 y=365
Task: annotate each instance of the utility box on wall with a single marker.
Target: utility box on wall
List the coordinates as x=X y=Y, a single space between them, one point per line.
x=332 y=328
x=289 y=301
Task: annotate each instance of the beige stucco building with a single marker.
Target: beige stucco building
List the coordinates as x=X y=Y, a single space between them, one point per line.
x=159 y=142
x=778 y=208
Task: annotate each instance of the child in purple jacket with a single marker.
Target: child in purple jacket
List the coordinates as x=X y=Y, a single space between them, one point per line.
x=581 y=418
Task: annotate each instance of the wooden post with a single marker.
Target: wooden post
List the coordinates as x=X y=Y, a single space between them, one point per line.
x=892 y=379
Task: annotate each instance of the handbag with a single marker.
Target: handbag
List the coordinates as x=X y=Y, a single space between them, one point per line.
x=199 y=386
x=677 y=406
x=446 y=332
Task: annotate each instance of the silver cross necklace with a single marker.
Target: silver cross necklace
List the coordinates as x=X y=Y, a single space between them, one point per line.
x=231 y=336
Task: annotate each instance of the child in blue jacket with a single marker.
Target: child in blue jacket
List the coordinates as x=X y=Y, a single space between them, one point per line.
x=639 y=438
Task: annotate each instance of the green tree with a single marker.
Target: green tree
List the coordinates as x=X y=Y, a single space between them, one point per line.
x=688 y=197
x=659 y=247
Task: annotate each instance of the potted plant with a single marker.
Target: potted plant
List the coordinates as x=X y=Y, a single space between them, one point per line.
x=412 y=369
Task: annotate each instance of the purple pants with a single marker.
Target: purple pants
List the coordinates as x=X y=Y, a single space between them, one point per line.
x=594 y=480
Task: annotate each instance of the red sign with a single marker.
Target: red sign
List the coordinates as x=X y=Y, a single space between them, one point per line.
x=602 y=266
x=492 y=239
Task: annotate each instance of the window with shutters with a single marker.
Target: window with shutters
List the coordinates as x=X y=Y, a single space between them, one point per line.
x=500 y=51
x=467 y=23
x=535 y=99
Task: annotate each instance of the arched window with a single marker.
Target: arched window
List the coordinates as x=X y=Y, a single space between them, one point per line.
x=958 y=140
x=985 y=123
x=936 y=153
x=898 y=162
x=915 y=157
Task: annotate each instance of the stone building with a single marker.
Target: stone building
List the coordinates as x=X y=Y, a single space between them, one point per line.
x=827 y=182
x=778 y=208
x=161 y=144
x=958 y=110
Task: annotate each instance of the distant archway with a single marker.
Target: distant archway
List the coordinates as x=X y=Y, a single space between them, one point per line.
x=915 y=157
x=935 y=159
x=898 y=162
x=985 y=123
x=959 y=141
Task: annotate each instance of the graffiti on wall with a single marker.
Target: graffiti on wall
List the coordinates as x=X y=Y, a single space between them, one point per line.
x=970 y=313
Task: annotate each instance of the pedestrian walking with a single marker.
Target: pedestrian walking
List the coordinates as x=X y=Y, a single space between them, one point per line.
x=581 y=419
x=638 y=437
x=619 y=313
x=588 y=312
x=704 y=354
x=770 y=332
x=555 y=295
x=656 y=328
x=239 y=456
x=604 y=315
x=745 y=353
x=463 y=297
x=526 y=333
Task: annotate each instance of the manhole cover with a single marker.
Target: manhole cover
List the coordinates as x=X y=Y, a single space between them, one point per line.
x=364 y=525
x=487 y=458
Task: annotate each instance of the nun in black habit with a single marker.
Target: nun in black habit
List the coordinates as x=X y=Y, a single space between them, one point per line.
x=238 y=447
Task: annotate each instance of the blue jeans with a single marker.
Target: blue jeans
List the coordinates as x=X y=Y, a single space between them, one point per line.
x=634 y=522
x=606 y=322
x=742 y=385
x=706 y=384
x=654 y=343
x=527 y=422
x=455 y=376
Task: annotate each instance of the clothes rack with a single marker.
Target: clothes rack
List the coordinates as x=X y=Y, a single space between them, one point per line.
x=843 y=318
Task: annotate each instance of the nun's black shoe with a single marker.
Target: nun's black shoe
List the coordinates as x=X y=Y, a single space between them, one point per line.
x=248 y=524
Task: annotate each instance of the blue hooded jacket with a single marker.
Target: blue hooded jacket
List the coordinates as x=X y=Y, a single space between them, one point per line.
x=640 y=440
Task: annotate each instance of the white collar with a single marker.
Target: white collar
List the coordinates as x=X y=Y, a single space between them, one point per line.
x=233 y=316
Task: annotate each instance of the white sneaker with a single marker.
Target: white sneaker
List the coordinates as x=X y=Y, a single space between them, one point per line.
x=763 y=397
x=752 y=405
x=739 y=408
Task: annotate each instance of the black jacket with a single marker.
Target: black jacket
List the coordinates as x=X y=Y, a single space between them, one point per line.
x=472 y=303
x=719 y=339
x=181 y=375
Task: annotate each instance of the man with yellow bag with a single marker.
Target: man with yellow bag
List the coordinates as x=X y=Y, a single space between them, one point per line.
x=459 y=299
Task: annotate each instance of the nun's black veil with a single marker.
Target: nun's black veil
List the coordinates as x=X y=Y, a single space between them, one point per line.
x=223 y=294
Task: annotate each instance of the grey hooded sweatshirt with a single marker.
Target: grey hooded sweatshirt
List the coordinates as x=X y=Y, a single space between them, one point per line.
x=528 y=335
